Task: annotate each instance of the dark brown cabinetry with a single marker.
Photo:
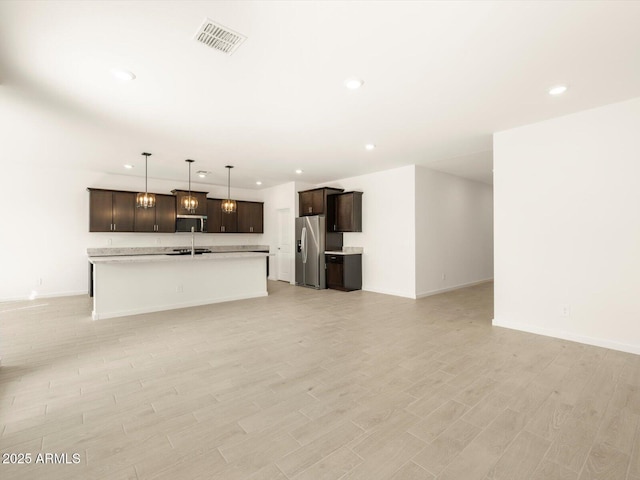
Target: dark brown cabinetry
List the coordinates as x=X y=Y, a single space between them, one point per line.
x=111 y=211
x=310 y=202
x=217 y=220
x=115 y=211
x=344 y=272
x=161 y=218
x=165 y=213
x=250 y=217
x=202 y=207
x=345 y=212
x=314 y=202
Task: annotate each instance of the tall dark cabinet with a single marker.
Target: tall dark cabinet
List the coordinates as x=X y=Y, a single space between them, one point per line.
x=343 y=213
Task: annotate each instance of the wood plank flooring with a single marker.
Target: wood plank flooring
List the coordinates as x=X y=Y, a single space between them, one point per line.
x=313 y=385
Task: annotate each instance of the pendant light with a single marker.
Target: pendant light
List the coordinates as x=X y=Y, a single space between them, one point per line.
x=190 y=203
x=228 y=205
x=146 y=199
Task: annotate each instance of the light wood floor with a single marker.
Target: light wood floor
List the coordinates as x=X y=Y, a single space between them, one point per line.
x=315 y=385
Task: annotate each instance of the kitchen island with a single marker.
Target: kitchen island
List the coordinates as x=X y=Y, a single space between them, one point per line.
x=129 y=285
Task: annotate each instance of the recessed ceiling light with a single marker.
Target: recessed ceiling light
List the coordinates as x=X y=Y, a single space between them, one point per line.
x=122 y=74
x=298 y=171
x=128 y=166
x=557 y=90
x=370 y=146
x=258 y=182
x=353 y=83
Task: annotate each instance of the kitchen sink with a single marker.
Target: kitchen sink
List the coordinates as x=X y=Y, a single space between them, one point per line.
x=187 y=251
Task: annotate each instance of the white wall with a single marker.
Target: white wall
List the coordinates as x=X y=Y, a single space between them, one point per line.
x=567 y=227
x=400 y=243
x=418 y=224
x=454 y=232
x=45 y=230
x=388 y=230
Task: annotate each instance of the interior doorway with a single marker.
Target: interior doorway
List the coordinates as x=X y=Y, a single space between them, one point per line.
x=285 y=242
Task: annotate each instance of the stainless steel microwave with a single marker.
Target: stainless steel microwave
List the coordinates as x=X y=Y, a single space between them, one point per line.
x=184 y=223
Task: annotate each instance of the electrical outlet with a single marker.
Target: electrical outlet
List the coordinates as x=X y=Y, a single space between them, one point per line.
x=40 y=281
x=179 y=289
x=444 y=276
x=109 y=241
x=566 y=310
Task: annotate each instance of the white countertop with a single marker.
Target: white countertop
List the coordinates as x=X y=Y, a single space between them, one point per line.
x=175 y=258
x=345 y=251
x=113 y=251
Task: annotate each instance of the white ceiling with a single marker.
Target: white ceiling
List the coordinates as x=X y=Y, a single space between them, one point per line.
x=440 y=78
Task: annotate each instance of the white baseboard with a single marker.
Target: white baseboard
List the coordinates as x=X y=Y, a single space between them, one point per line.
x=46 y=295
x=455 y=287
x=573 y=337
x=388 y=292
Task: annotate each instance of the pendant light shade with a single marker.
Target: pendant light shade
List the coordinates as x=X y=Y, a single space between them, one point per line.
x=190 y=203
x=146 y=199
x=228 y=205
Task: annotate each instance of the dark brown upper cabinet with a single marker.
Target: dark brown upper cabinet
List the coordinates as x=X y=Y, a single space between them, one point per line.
x=250 y=217
x=201 y=209
x=111 y=210
x=314 y=202
x=161 y=218
x=345 y=212
x=217 y=220
x=165 y=213
x=115 y=211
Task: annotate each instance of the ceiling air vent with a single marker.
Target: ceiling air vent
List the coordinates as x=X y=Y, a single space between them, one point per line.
x=221 y=38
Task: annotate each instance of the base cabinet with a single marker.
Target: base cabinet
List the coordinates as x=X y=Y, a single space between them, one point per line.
x=344 y=272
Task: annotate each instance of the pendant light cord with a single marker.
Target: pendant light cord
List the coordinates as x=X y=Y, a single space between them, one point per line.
x=146 y=200
x=189 y=203
x=146 y=172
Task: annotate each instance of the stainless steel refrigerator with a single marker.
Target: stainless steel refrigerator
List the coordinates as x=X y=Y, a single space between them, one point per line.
x=310 y=247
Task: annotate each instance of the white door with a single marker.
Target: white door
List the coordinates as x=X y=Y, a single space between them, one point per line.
x=285 y=242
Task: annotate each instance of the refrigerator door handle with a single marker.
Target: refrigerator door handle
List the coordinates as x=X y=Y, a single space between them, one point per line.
x=304 y=244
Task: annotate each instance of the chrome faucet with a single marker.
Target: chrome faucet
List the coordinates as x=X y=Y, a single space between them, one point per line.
x=193 y=235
